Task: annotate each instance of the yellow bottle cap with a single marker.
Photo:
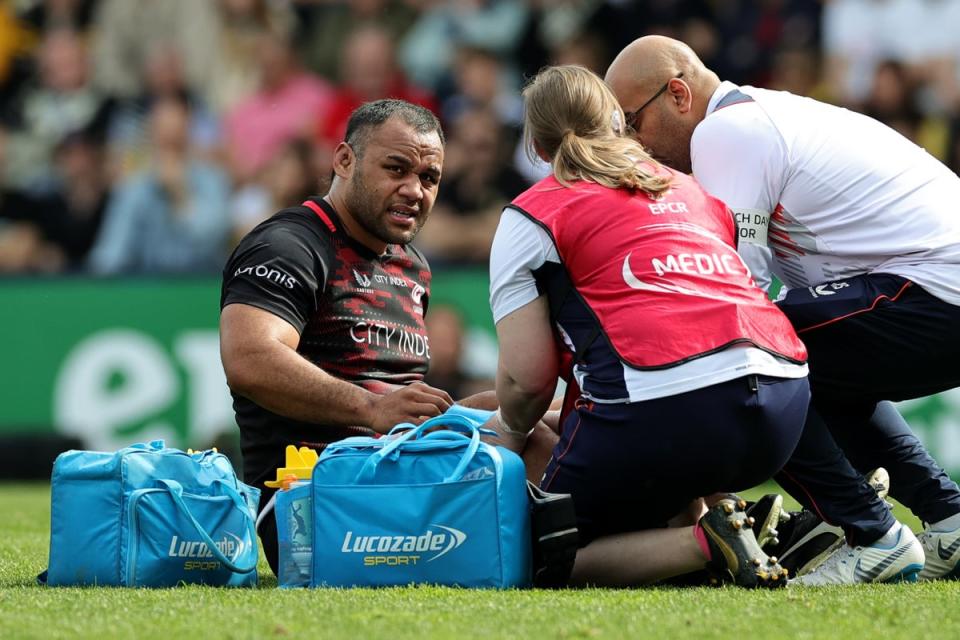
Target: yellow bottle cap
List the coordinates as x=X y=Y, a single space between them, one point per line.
x=299 y=466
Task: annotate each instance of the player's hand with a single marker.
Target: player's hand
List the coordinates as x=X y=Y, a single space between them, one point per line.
x=414 y=403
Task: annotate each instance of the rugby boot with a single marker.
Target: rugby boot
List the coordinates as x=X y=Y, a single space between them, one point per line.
x=767 y=514
x=735 y=555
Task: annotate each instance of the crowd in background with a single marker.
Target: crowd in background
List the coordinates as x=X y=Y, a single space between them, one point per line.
x=148 y=136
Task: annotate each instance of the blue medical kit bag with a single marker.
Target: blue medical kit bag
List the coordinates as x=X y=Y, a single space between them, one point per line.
x=420 y=506
x=150 y=516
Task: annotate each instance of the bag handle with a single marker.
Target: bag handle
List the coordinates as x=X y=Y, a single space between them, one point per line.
x=369 y=468
x=176 y=490
x=153 y=445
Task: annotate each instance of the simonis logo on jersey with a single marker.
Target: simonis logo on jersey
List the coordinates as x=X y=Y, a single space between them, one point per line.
x=391 y=550
x=270 y=273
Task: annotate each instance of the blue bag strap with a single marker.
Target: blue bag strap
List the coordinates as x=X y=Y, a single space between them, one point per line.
x=369 y=468
x=175 y=490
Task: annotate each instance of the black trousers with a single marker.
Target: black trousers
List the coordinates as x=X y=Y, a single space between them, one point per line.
x=871 y=338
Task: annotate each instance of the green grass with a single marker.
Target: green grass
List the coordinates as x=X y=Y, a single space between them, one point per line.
x=926 y=610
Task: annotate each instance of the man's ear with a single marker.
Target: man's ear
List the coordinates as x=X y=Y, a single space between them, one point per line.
x=344 y=160
x=681 y=94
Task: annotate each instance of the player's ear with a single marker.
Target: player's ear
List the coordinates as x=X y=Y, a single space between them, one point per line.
x=344 y=160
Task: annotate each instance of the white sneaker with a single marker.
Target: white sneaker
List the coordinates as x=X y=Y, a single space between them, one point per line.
x=899 y=562
x=942 y=549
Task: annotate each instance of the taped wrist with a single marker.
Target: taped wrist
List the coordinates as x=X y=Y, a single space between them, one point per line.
x=510 y=430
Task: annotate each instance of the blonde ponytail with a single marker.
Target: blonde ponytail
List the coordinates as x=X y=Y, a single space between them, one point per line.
x=573 y=118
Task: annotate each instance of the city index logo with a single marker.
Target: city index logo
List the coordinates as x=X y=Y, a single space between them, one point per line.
x=270 y=273
x=231 y=547
x=438 y=539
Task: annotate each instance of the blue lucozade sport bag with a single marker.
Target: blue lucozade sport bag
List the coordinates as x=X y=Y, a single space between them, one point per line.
x=436 y=507
x=149 y=516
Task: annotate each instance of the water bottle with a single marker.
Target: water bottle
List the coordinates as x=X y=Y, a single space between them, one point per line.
x=295 y=534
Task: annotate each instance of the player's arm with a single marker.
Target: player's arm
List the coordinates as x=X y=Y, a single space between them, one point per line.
x=260 y=360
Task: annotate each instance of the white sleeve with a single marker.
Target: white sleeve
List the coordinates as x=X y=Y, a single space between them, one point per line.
x=520 y=246
x=740 y=157
x=758 y=259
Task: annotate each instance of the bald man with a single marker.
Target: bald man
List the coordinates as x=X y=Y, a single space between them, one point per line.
x=860 y=225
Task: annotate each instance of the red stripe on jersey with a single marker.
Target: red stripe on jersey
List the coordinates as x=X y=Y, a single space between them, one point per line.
x=317 y=209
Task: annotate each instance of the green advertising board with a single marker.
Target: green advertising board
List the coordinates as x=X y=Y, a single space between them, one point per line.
x=116 y=361
x=124 y=360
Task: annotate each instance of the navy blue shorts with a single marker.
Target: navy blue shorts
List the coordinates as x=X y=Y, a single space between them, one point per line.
x=875 y=337
x=871 y=338
x=634 y=466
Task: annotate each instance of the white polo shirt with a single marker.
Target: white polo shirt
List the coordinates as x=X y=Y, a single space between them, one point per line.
x=831 y=193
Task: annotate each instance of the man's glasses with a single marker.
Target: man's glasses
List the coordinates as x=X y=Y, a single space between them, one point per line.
x=631 y=116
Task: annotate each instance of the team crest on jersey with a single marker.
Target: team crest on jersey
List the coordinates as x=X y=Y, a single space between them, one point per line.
x=417 y=293
x=362 y=279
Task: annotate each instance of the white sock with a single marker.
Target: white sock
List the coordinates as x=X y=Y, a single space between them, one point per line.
x=891 y=536
x=947 y=524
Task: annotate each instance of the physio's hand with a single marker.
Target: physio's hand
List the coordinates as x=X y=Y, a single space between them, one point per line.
x=414 y=403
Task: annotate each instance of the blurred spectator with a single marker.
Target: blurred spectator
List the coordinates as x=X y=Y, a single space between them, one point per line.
x=481 y=82
x=331 y=23
x=921 y=34
x=171 y=217
x=555 y=27
x=429 y=45
x=54 y=232
x=284 y=107
x=61 y=100
x=287 y=180
x=478 y=181
x=798 y=71
x=17 y=42
x=953 y=146
x=20 y=235
x=46 y=15
x=242 y=25
x=129 y=135
x=448 y=367
x=585 y=49
x=890 y=98
x=77 y=202
x=367 y=72
x=129 y=30
x=894 y=100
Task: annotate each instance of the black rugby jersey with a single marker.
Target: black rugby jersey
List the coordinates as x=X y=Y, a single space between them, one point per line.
x=360 y=317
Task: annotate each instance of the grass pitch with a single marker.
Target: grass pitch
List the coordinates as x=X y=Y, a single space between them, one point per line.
x=924 y=610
